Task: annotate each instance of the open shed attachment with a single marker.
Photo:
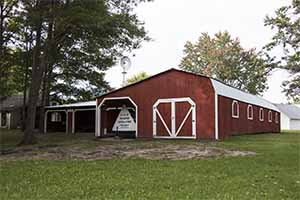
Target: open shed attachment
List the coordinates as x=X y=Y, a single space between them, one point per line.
x=117 y=117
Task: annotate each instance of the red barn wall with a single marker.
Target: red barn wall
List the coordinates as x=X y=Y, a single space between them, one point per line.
x=242 y=125
x=172 y=84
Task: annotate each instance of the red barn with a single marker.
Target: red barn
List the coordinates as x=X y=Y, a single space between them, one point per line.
x=178 y=104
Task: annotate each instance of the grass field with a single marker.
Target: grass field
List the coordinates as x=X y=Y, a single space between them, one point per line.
x=273 y=173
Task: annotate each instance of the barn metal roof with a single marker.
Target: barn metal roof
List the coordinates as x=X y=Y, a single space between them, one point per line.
x=290 y=110
x=79 y=104
x=231 y=92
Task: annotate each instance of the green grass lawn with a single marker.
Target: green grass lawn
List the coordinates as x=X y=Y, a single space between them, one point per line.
x=274 y=173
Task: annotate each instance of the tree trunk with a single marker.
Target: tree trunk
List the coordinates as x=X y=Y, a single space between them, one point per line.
x=38 y=67
x=24 y=97
x=43 y=102
x=24 y=111
x=45 y=86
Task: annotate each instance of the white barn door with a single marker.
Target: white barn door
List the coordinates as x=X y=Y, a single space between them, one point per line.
x=164 y=112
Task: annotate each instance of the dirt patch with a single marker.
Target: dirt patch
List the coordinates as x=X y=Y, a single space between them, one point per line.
x=122 y=151
x=186 y=152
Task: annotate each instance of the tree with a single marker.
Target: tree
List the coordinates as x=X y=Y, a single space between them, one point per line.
x=138 y=77
x=223 y=58
x=75 y=42
x=9 y=70
x=286 y=22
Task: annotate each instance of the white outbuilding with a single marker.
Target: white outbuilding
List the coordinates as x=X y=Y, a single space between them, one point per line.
x=290 y=116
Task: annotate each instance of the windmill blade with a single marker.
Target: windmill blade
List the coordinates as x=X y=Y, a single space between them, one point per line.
x=125 y=63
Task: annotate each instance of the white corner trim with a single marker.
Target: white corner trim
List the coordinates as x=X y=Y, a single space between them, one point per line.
x=216 y=117
x=237 y=111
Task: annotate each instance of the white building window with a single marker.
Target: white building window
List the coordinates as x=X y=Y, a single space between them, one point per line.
x=270 y=116
x=276 y=118
x=55 y=117
x=235 y=110
x=261 y=114
x=250 y=112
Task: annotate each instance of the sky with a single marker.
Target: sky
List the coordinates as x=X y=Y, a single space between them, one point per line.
x=171 y=23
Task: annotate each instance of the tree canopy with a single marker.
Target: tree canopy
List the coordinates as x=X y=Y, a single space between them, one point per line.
x=286 y=23
x=81 y=41
x=223 y=58
x=137 y=77
x=64 y=48
x=10 y=72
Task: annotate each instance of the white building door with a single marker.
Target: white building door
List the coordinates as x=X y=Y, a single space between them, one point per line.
x=174 y=118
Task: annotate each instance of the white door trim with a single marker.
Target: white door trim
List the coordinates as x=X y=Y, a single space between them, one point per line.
x=173 y=133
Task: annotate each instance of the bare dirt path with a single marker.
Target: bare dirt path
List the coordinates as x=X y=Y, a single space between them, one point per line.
x=122 y=150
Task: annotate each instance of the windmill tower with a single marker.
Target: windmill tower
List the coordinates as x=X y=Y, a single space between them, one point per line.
x=125 y=64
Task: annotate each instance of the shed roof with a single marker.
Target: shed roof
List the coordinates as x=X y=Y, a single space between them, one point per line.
x=219 y=87
x=75 y=105
x=290 y=110
x=11 y=102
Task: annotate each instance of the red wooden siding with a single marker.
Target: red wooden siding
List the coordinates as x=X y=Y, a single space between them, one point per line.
x=242 y=125
x=172 y=84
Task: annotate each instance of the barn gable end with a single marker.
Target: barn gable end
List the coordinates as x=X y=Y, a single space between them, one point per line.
x=172 y=84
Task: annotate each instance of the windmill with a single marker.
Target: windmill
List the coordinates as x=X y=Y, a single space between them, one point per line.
x=125 y=64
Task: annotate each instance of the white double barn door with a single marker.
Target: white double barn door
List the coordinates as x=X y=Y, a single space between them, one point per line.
x=174 y=118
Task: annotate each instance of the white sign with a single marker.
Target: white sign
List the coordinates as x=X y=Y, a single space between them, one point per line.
x=124 y=121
